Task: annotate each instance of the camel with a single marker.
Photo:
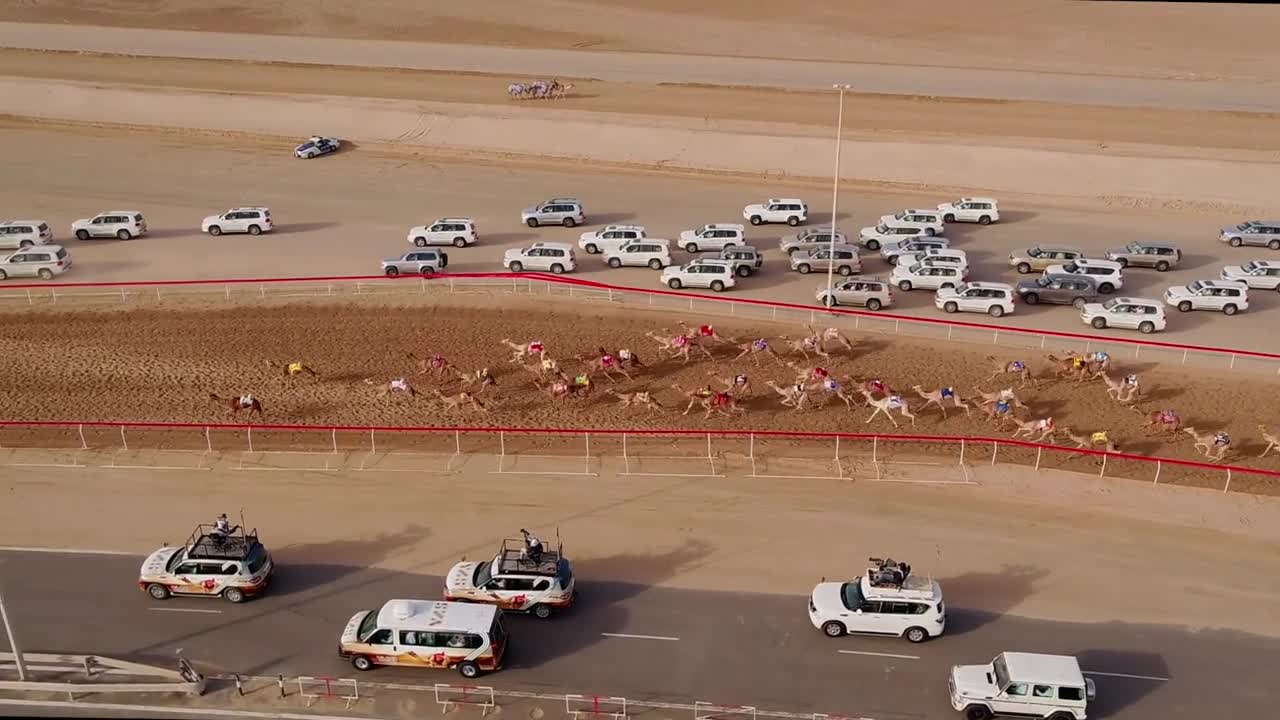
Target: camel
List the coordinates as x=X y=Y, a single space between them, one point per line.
x=294 y=368
x=1273 y=442
x=238 y=403
x=1086 y=442
x=606 y=364
x=1066 y=367
x=1123 y=390
x=807 y=344
x=754 y=348
x=704 y=332
x=793 y=396
x=436 y=364
x=713 y=401
x=520 y=351
x=1006 y=395
x=482 y=376
x=874 y=386
x=679 y=346
x=463 y=399
x=1043 y=426
x=833 y=335
x=1213 y=447
x=739 y=385
x=639 y=397
x=829 y=386
x=1167 y=420
x=1014 y=367
x=886 y=406
x=939 y=396
x=394 y=387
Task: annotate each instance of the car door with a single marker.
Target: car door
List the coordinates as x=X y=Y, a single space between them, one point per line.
x=190 y=579
x=1125 y=316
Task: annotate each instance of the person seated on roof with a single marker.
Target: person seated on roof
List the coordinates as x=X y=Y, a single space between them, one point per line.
x=532 y=546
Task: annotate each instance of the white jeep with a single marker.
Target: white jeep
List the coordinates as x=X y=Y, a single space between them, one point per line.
x=791 y=211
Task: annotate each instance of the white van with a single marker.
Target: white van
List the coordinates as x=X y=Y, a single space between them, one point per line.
x=887 y=600
x=426 y=633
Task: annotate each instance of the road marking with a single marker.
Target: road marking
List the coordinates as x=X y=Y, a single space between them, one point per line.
x=1126 y=675
x=171 y=711
x=874 y=654
x=640 y=637
x=190 y=610
x=66 y=551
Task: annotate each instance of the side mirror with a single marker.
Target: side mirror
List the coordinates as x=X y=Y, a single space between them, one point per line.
x=858 y=611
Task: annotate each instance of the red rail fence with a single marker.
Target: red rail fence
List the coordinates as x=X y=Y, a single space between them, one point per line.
x=673 y=453
x=259 y=289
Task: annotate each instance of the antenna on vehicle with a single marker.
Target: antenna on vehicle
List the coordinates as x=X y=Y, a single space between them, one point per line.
x=242 y=527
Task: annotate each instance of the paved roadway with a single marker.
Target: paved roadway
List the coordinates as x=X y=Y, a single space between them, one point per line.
x=341 y=214
x=731 y=649
x=653 y=67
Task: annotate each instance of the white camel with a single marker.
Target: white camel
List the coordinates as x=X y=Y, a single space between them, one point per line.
x=940 y=396
x=887 y=405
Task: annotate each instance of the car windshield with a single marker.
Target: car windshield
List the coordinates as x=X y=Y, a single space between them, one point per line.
x=851 y=595
x=899 y=216
x=173 y=561
x=961 y=288
x=882 y=228
x=1249 y=266
x=257 y=558
x=1001 y=672
x=564 y=573
x=1134 y=248
x=483 y=575
x=1243 y=226
x=915 y=268
x=701 y=231
x=1044 y=282
x=1196 y=286
x=306 y=146
x=1110 y=304
x=367 y=625
x=1035 y=252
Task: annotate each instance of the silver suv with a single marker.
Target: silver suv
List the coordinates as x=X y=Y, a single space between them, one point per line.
x=870 y=293
x=416 y=262
x=556 y=211
x=809 y=238
x=746 y=259
x=1258 y=233
x=1160 y=256
x=843 y=259
x=1060 y=289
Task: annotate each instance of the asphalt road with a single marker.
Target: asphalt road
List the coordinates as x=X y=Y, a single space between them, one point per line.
x=652 y=67
x=731 y=649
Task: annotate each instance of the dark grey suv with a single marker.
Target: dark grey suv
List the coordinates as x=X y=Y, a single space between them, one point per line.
x=1060 y=289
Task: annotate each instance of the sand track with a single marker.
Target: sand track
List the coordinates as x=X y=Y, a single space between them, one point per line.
x=149 y=365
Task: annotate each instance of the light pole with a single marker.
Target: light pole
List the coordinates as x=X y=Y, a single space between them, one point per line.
x=835 y=193
x=13 y=643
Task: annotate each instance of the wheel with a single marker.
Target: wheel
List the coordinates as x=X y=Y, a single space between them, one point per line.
x=591 y=248
x=1229 y=310
x=756 y=219
x=45 y=274
x=1184 y=306
x=568 y=222
x=1106 y=288
x=743 y=271
x=873 y=244
x=691 y=247
x=235 y=595
x=833 y=628
x=717 y=286
x=557 y=269
x=214 y=230
x=531 y=222
x=1099 y=323
x=158 y=591
x=947 y=286
x=930 y=232
x=905 y=285
x=793 y=221
x=362 y=663
x=392 y=272
x=655 y=264
x=1024 y=268
x=1162 y=266
x=1234 y=242
x=3 y=275
x=673 y=283
x=1078 y=303
x=803 y=268
x=82 y=234
x=830 y=301
x=845 y=270
x=948 y=218
x=1031 y=298
x=1061 y=716
x=995 y=311
x=615 y=263
x=517 y=266
x=916 y=634
x=950 y=307
x=459 y=242
x=977 y=712
x=984 y=220
x=892 y=259
x=124 y=235
x=542 y=612
x=873 y=304
x=427 y=271
x=255 y=230
x=1123 y=262
x=469 y=669
x=420 y=241
x=1147 y=328
x=1274 y=245
x=24 y=244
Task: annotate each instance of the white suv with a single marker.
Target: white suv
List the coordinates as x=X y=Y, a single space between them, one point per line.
x=647 y=252
x=930 y=220
x=1107 y=273
x=927 y=275
x=910 y=247
x=712 y=237
x=884 y=601
x=937 y=256
x=1022 y=685
x=994 y=299
x=1145 y=316
x=1226 y=297
x=610 y=238
x=458 y=232
x=715 y=274
x=43 y=262
x=252 y=220
x=887 y=232
x=983 y=211
x=1257 y=274
x=777 y=210
x=24 y=233
x=123 y=224
x=553 y=256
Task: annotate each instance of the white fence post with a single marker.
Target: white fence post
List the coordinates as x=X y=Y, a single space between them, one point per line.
x=1157 y=480
x=1103 y=470
x=1039 y=451
x=123 y=441
x=250 y=436
x=83 y=445
x=1227 y=487
x=994 y=446
x=335 y=441
x=875 y=446
x=208 y=442
x=961 y=451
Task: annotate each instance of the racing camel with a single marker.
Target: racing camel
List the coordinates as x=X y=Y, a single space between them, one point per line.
x=481 y=376
x=1016 y=368
x=739 y=385
x=793 y=396
x=394 y=387
x=520 y=351
x=463 y=400
x=438 y=365
x=1123 y=390
x=940 y=396
x=754 y=349
x=1005 y=395
x=678 y=346
x=703 y=332
x=1273 y=442
x=887 y=405
x=807 y=344
x=1164 y=420
x=1043 y=426
x=294 y=368
x=1087 y=442
x=1214 y=447
x=639 y=397
x=236 y=404
x=607 y=364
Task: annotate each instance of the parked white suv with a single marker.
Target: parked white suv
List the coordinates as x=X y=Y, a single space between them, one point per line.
x=715 y=236
x=610 y=238
x=458 y=232
x=912 y=246
x=983 y=211
x=994 y=299
x=16 y=234
x=1257 y=274
x=1145 y=316
x=944 y=256
x=553 y=256
x=703 y=272
x=930 y=220
x=888 y=232
x=777 y=210
x=43 y=262
x=1107 y=273
x=648 y=252
x=1222 y=295
x=123 y=224
x=927 y=275
x=252 y=220
x=884 y=601
x=1028 y=685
